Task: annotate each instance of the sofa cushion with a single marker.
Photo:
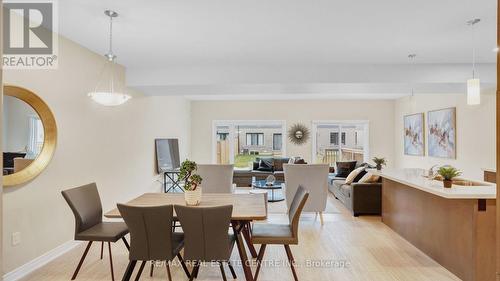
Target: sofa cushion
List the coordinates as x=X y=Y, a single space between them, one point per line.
x=278 y=163
x=352 y=175
x=360 y=175
x=369 y=178
x=265 y=164
x=345 y=168
x=346 y=190
x=338 y=183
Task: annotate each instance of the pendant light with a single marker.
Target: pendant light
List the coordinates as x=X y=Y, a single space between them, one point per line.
x=473 y=84
x=109 y=92
x=411 y=58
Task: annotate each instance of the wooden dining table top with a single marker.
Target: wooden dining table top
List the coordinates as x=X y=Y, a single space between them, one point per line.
x=246 y=207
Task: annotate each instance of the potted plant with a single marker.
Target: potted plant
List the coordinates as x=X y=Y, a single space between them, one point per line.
x=192 y=182
x=379 y=162
x=448 y=173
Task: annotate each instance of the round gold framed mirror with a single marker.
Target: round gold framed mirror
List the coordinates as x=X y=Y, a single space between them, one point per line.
x=29 y=135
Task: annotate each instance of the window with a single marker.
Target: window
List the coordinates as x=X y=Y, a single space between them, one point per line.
x=340 y=141
x=277 y=141
x=334 y=138
x=255 y=139
x=36 y=137
x=239 y=142
x=222 y=136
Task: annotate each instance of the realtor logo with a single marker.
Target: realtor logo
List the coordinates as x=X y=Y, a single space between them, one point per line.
x=29 y=35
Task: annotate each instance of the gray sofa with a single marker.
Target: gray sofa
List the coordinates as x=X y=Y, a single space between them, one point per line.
x=244 y=177
x=359 y=198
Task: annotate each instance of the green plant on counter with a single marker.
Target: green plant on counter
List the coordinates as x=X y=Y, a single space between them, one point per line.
x=379 y=162
x=449 y=173
x=191 y=180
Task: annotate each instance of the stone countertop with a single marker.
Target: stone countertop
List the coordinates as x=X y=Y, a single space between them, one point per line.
x=415 y=178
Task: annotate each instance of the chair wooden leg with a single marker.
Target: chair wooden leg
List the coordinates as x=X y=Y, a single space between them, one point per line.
x=81 y=260
x=126 y=243
x=246 y=234
x=291 y=260
x=139 y=273
x=111 y=262
x=186 y=270
x=168 y=271
x=231 y=269
x=129 y=270
x=152 y=267
x=260 y=256
x=194 y=274
x=221 y=266
x=321 y=218
x=102 y=249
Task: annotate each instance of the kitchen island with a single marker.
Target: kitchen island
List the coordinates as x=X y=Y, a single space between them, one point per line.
x=454 y=226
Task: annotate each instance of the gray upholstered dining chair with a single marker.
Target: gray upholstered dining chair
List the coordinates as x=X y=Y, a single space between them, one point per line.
x=151 y=237
x=217 y=178
x=281 y=234
x=206 y=236
x=85 y=203
x=313 y=177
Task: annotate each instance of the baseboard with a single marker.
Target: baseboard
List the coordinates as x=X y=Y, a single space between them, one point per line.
x=40 y=261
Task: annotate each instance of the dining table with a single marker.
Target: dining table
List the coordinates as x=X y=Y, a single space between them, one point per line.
x=246 y=209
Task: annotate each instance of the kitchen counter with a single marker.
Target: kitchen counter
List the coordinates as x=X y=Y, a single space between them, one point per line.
x=454 y=226
x=415 y=178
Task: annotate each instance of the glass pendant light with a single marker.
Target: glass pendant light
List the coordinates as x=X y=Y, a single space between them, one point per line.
x=108 y=91
x=473 y=84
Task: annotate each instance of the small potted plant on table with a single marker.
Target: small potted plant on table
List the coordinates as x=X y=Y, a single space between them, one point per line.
x=448 y=173
x=379 y=162
x=192 y=181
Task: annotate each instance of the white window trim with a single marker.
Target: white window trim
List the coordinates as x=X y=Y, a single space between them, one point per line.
x=232 y=123
x=366 y=135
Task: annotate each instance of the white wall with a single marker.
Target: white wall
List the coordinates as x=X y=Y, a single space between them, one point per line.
x=379 y=113
x=476 y=132
x=111 y=146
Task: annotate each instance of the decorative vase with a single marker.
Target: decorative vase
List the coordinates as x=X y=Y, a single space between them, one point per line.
x=193 y=197
x=447 y=183
x=379 y=167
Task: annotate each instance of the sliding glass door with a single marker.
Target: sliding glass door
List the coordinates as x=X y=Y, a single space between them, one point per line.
x=240 y=142
x=340 y=141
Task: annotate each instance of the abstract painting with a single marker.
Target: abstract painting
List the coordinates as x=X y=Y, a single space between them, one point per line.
x=442 y=133
x=414 y=134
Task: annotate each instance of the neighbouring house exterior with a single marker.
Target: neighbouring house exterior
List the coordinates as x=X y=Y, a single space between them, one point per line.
x=335 y=144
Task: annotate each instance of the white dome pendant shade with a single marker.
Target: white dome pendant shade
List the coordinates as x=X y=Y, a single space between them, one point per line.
x=106 y=92
x=473 y=91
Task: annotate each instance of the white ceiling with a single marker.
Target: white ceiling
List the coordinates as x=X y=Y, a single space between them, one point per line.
x=161 y=35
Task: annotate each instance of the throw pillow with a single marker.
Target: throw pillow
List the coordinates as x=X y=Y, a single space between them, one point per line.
x=360 y=175
x=300 y=161
x=278 y=164
x=345 y=168
x=265 y=165
x=352 y=175
x=369 y=178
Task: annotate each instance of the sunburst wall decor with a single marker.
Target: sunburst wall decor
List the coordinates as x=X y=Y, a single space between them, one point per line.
x=298 y=134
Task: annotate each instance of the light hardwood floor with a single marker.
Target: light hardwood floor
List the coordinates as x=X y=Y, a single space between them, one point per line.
x=345 y=248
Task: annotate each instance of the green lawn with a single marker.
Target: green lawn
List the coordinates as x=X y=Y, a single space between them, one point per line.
x=243 y=161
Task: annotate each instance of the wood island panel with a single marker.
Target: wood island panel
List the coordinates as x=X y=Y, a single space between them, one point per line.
x=490 y=176
x=453 y=232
